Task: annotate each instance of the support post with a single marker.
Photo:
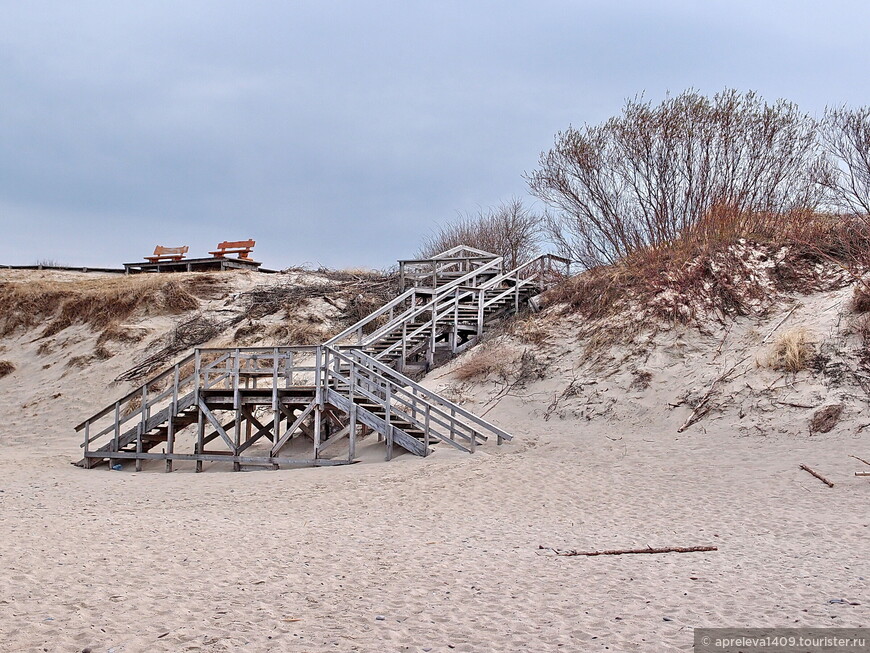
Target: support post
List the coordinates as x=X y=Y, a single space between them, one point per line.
x=351 y=451
x=387 y=418
x=170 y=427
x=200 y=436
x=88 y=445
x=117 y=439
x=141 y=430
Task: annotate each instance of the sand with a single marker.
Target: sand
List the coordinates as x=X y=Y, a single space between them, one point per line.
x=442 y=554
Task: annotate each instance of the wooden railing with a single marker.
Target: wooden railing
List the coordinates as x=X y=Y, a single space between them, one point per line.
x=351 y=373
x=409 y=305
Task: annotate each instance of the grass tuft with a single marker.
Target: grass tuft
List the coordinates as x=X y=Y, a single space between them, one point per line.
x=792 y=351
x=6 y=368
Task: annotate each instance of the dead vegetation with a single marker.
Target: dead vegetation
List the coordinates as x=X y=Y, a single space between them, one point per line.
x=99 y=303
x=187 y=334
x=493 y=360
x=727 y=267
x=861 y=298
x=792 y=351
x=6 y=368
x=356 y=293
x=484 y=361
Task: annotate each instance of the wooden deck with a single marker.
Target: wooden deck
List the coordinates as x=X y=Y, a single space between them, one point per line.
x=209 y=264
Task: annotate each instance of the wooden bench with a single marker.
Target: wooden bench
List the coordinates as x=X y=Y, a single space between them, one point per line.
x=167 y=254
x=241 y=247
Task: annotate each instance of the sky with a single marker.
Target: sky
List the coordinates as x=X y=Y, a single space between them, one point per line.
x=341 y=133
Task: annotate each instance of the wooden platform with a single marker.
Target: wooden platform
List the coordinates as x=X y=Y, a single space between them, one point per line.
x=210 y=264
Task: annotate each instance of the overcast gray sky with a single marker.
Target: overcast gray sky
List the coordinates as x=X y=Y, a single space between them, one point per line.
x=339 y=133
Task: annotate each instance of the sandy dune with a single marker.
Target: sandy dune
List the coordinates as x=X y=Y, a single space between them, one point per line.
x=442 y=554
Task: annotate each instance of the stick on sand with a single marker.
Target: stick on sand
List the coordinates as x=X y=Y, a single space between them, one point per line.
x=817 y=475
x=619 y=552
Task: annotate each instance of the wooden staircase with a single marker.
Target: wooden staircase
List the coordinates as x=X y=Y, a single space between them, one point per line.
x=228 y=404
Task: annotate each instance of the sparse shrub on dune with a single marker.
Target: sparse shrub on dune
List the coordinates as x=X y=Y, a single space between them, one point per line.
x=792 y=351
x=6 y=368
x=729 y=266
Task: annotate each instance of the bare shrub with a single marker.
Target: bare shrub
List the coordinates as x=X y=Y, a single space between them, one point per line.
x=6 y=368
x=642 y=179
x=846 y=138
x=791 y=351
x=510 y=230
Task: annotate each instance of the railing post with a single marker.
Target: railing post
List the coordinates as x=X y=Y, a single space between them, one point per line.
x=275 y=379
x=387 y=418
x=197 y=364
x=141 y=430
x=426 y=435
x=237 y=405
x=454 y=340
x=404 y=346
x=117 y=437
x=88 y=445
x=236 y=394
x=351 y=451
x=481 y=295
x=318 y=392
x=430 y=355
x=173 y=411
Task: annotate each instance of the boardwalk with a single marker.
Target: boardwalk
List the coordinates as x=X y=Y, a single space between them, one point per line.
x=307 y=405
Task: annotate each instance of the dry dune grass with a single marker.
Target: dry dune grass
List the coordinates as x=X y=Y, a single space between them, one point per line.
x=791 y=351
x=484 y=361
x=6 y=368
x=99 y=303
x=298 y=332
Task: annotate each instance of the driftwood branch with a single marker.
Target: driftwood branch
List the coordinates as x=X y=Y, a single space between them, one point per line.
x=780 y=323
x=617 y=552
x=817 y=475
x=861 y=459
x=699 y=412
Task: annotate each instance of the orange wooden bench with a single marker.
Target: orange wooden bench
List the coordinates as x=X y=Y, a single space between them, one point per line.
x=241 y=247
x=167 y=254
